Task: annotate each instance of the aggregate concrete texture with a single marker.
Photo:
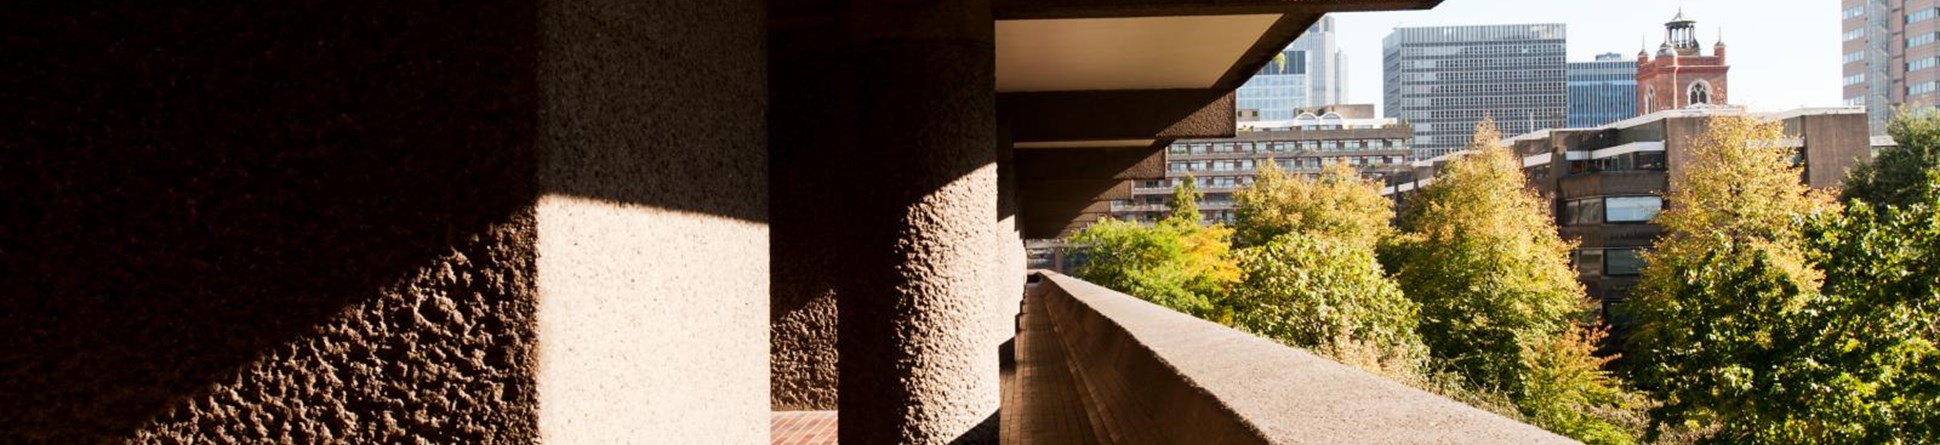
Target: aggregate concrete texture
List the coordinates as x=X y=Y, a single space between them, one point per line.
x=653 y=235
x=372 y=222
x=919 y=359
x=1153 y=375
x=268 y=222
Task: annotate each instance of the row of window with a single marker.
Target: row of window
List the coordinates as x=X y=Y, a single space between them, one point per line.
x=1287 y=164
x=1855 y=11
x=1853 y=57
x=1854 y=34
x=1921 y=39
x=1637 y=161
x=1919 y=88
x=1286 y=146
x=1613 y=209
x=1856 y=79
x=1922 y=15
x=1609 y=262
x=1921 y=64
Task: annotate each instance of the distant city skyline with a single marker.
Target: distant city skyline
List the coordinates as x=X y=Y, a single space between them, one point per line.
x=1782 y=57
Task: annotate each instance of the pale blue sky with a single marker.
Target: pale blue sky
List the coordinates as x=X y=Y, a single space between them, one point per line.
x=1783 y=53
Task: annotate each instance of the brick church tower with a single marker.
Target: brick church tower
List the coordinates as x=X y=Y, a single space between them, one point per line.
x=1680 y=76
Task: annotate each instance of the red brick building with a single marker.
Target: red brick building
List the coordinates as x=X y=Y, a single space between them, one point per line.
x=1680 y=75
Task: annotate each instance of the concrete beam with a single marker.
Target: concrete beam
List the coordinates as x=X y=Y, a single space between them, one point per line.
x=1118 y=114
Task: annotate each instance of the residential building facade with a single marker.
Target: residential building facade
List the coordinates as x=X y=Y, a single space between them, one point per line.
x=1315 y=138
x=1441 y=81
x=1310 y=72
x=1681 y=75
x=1889 y=56
x=1606 y=183
x=1602 y=91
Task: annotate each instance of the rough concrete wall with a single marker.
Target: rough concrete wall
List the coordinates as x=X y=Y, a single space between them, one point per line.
x=1153 y=375
x=257 y=223
x=918 y=354
x=809 y=161
x=653 y=234
x=1834 y=145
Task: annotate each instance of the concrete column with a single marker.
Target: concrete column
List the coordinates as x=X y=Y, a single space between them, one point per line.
x=652 y=268
x=919 y=360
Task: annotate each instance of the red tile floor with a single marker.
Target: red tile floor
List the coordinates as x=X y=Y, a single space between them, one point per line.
x=802 y=428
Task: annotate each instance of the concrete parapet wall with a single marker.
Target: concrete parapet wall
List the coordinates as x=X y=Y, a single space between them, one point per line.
x=1152 y=375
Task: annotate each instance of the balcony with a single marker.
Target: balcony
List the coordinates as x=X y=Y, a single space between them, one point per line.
x=1090 y=365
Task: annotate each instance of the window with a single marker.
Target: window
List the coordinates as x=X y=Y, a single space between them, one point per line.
x=1857 y=33
x=1622 y=262
x=1922 y=15
x=1700 y=93
x=1919 y=88
x=1650 y=94
x=1589 y=261
x=1583 y=211
x=1854 y=12
x=1922 y=64
x=1856 y=79
x=1853 y=57
x=1632 y=208
x=1920 y=39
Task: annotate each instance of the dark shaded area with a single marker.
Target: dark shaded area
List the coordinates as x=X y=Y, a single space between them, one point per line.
x=337 y=192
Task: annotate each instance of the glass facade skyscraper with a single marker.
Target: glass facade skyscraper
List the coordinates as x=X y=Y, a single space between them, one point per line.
x=1308 y=73
x=1602 y=91
x=1443 y=80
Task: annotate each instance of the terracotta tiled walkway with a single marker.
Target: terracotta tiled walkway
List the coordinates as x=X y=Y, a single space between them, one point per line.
x=802 y=428
x=1042 y=403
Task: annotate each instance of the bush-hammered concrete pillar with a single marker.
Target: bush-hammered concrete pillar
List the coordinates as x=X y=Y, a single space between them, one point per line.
x=918 y=356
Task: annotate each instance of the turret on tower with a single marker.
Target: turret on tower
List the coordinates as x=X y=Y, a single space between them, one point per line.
x=1680 y=75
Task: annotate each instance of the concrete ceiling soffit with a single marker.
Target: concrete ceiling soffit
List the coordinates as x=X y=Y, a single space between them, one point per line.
x=1065 y=9
x=1117 y=115
x=1091 y=164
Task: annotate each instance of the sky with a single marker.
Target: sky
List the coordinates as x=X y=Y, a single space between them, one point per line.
x=1784 y=54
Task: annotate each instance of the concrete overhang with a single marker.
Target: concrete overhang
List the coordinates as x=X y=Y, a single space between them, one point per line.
x=1132 y=76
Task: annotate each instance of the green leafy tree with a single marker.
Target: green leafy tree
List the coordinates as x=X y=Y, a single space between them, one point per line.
x=1481 y=255
x=1185 y=201
x=1727 y=303
x=1339 y=203
x=1329 y=295
x=1897 y=177
x=1872 y=354
x=1501 y=307
x=1176 y=263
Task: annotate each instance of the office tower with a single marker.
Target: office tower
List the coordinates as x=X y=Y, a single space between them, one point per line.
x=1443 y=80
x=1310 y=72
x=1890 y=56
x=1602 y=91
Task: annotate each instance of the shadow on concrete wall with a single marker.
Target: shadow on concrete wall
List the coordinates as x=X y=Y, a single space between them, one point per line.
x=220 y=218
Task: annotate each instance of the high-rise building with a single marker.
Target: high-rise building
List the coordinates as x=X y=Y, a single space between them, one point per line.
x=1315 y=138
x=1890 y=56
x=1602 y=91
x=1681 y=76
x=1443 y=80
x=1310 y=72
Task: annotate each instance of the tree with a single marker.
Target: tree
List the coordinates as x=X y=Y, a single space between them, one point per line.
x=1329 y=295
x=1501 y=307
x=1730 y=294
x=1176 y=263
x=1185 y=201
x=1897 y=177
x=1339 y=203
x=1872 y=359
x=1481 y=255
